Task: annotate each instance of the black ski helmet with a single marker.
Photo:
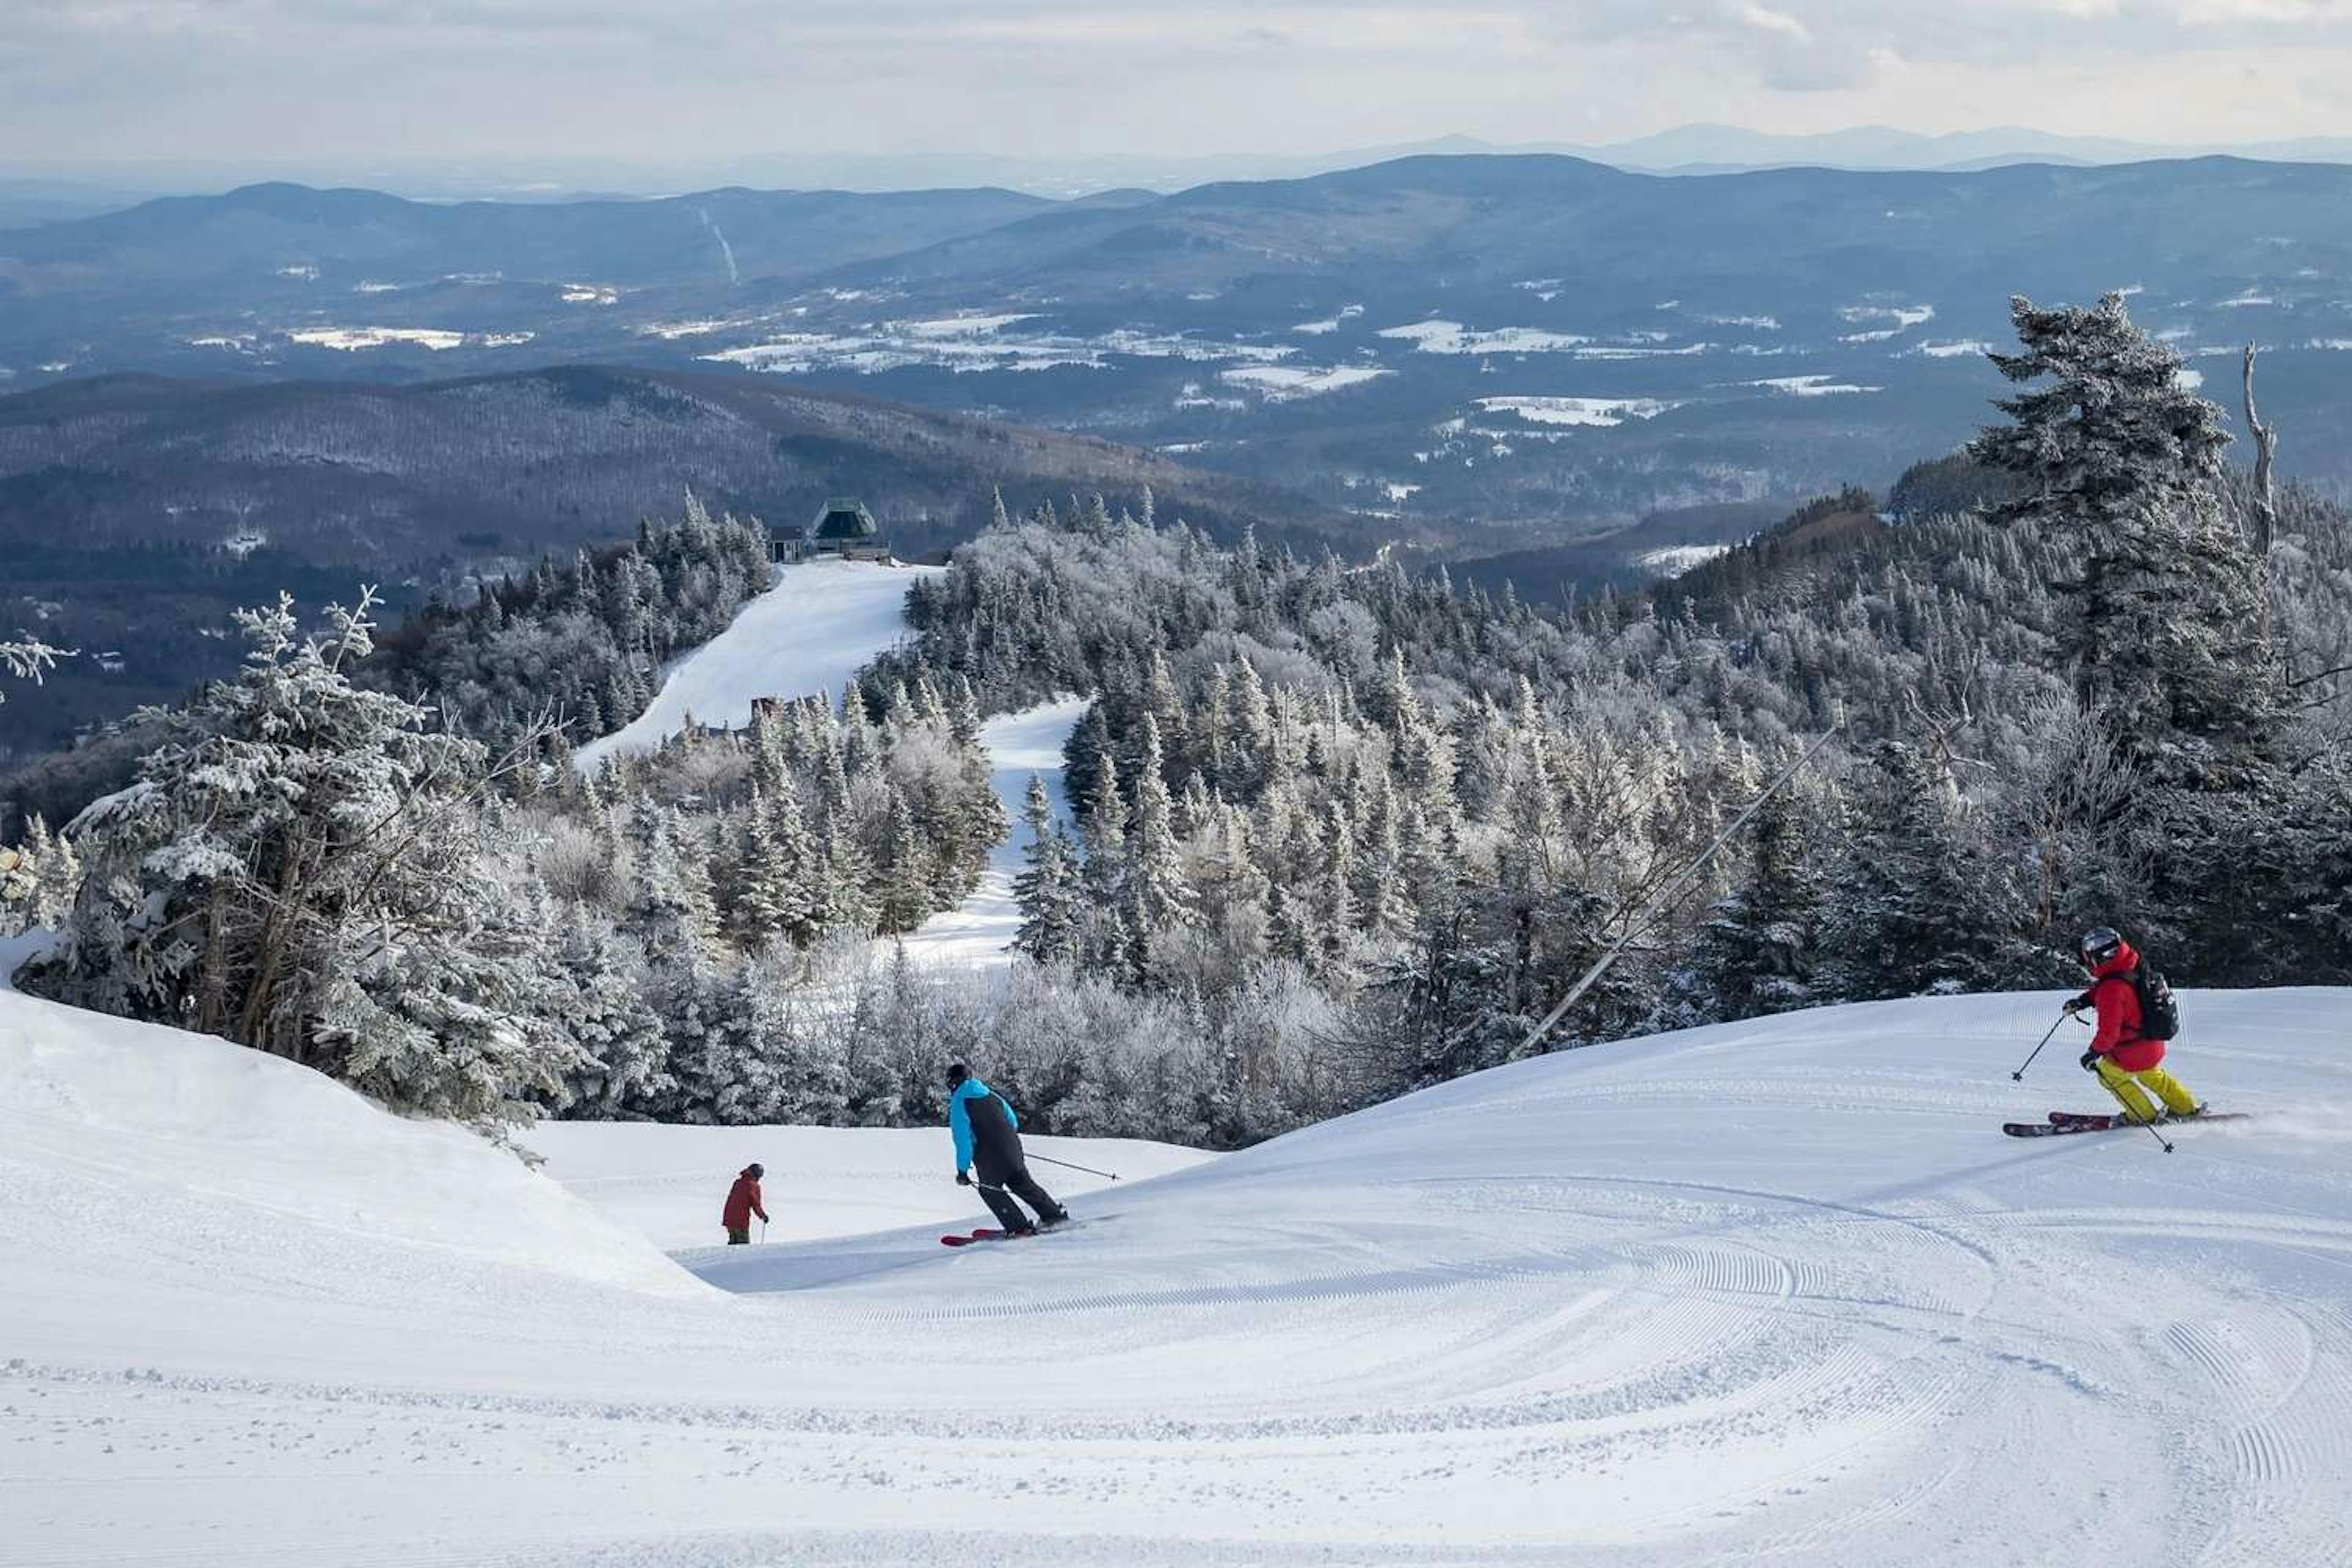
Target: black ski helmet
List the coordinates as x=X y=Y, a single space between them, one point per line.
x=957 y=1073
x=2098 y=945
x=755 y=1170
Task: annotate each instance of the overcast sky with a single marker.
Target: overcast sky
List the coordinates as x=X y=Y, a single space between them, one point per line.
x=683 y=81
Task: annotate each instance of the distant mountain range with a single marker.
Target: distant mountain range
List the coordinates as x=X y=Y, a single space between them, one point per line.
x=37 y=193
x=1469 y=355
x=1516 y=345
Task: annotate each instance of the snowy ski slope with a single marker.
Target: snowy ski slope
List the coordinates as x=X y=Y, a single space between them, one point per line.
x=1773 y=1291
x=821 y=622
x=665 y=1183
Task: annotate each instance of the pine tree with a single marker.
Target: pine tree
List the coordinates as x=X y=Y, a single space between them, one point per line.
x=1382 y=898
x=1336 y=914
x=626 y=1067
x=27 y=659
x=672 y=905
x=1918 y=904
x=777 y=897
x=843 y=901
x=1757 y=948
x=1045 y=890
x=709 y=1029
x=1158 y=897
x=2122 y=462
x=299 y=868
x=805 y=1058
x=903 y=893
x=1290 y=931
x=1106 y=839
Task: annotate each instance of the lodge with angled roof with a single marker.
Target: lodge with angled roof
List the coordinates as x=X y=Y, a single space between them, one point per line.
x=841 y=523
x=842 y=527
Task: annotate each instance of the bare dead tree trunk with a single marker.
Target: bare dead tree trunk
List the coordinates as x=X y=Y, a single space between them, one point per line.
x=2265 y=455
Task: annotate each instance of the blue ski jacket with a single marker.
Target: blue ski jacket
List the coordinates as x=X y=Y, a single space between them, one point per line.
x=968 y=1093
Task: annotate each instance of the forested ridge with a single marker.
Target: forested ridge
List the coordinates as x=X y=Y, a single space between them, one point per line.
x=2117 y=697
x=1340 y=829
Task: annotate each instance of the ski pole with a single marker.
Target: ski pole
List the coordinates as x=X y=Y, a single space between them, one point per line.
x=2121 y=1104
x=2161 y=1140
x=2018 y=1076
x=1089 y=1170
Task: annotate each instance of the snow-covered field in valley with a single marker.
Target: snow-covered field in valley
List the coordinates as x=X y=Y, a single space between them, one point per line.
x=823 y=621
x=1776 y=1290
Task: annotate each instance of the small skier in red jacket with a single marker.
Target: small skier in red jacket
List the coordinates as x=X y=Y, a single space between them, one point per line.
x=2126 y=1061
x=742 y=1202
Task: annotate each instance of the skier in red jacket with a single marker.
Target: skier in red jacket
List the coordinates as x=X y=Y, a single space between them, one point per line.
x=742 y=1202
x=2126 y=1061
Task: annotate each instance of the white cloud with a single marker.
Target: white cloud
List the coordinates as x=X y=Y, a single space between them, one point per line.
x=1764 y=19
x=450 y=80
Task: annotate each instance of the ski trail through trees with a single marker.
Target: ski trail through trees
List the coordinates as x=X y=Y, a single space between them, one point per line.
x=822 y=622
x=978 y=933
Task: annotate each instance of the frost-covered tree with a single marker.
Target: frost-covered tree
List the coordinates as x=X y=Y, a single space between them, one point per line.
x=903 y=892
x=843 y=901
x=625 y=1070
x=38 y=879
x=1918 y=903
x=1757 y=950
x=2121 y=462
x=299 y=867
x=27 y=659
x=713 y=1025
x=1159 y=898
x=778 y=871
x=1046 y=887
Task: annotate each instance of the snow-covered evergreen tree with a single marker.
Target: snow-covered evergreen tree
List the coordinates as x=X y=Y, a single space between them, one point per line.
x=777 y=895
x=27 y=658
x=1046 y=887
x=2122 y=462
x=1159 y=898
x=626 y=1066
x=1757 y=950
x=1918 y=903
x=299 y=868
x=903 y=890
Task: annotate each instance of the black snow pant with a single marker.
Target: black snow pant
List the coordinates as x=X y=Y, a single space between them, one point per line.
x=1000 y=1184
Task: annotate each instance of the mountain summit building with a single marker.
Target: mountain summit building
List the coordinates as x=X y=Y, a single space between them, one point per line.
x=841 y=524
x=842 y=527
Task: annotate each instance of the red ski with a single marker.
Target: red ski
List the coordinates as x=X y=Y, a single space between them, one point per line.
x=966 y=1241
x=975 y=1238
x=2063 y=1124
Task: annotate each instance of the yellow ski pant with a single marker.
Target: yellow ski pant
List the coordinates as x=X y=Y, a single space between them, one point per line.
x=2126 y=1087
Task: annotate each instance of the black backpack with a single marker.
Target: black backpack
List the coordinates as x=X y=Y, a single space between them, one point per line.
x=2159 y=1010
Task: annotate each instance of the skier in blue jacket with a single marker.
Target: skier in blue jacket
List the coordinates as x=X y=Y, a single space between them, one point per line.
x=988 y=1140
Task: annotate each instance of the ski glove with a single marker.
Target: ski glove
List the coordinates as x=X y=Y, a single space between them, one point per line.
x=2090 y=1061
x=963 y=1178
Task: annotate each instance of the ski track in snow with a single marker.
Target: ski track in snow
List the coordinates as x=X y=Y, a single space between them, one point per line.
x=1773 y=1291
x=819 y=623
